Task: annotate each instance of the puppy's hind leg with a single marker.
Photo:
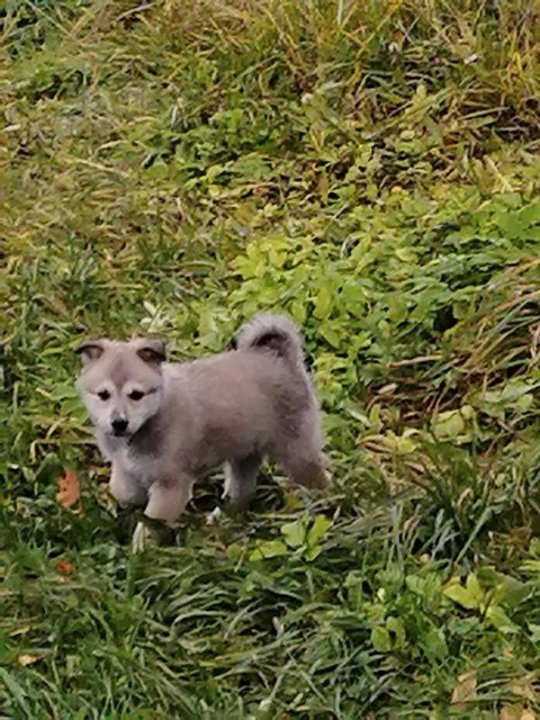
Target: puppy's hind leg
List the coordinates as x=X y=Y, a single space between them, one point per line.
x=240 y=480
x=309 y=473
x=305 y=465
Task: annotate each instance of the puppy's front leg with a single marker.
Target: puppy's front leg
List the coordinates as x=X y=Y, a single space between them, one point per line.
x=124 y=488
x=167 y=498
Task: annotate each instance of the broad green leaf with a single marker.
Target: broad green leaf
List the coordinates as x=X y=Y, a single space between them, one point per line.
x=318 y=530
x=469 y=597
x=354 y=297
x=234 y=551
x=269 y=549
x=514 y=390
x=473 y=587
x=448 y=425
x=405 y=445
x=406 y=255
x=298 y=311
x=451 y=424
x=251 y=166
x=376 y=612
x=496 y=615
x=530 y=215
x=295 y=532
x=510 y=591
x=400 y=445
x=158 y=170
x=276 y=256
x=330 y=335
x=397 y=308
x=394 y=625
x=467 y=412
x=213 y=172
x=510 y=224
x=524 y=403
x=535 y=633
x=435 y=644
x=312 y=552
x=380 y=637
x=208 y=327
x=323 y=302
x=375 y=416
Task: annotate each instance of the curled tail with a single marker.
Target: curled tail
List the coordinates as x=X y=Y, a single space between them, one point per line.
x=276 y=334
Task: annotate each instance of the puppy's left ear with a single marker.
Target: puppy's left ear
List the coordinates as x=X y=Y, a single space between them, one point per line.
x=152 y=351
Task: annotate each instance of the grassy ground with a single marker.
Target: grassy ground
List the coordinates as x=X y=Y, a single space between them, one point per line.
x=170 y=167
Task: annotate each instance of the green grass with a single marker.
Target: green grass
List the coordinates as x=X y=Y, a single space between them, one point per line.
x=373 y=169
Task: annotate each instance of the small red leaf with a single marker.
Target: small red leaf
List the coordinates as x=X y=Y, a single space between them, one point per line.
x=64 y=567
x=69 y=489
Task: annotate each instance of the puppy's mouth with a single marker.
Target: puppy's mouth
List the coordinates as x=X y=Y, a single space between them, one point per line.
x=120 y=433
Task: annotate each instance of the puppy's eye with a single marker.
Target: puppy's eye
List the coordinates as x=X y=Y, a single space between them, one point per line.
x=136 y=395
x=104 y=395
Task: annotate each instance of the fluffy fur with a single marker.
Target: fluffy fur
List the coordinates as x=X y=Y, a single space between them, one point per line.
x=162 y=425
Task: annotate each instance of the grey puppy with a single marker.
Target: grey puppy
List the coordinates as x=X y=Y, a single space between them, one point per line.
x=162 y=425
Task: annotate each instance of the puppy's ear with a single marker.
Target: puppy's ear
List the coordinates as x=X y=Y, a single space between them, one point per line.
x=90 y=350
x=233 y=344
x=152 y=351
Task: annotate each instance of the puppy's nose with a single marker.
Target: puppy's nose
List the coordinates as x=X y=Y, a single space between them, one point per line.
x=119 y=426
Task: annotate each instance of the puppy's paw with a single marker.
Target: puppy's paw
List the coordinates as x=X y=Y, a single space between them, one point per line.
x=141 y=536
x=152 y=533
x=213 y=517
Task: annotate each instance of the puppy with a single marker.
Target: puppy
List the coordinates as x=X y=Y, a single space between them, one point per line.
x=162 y=425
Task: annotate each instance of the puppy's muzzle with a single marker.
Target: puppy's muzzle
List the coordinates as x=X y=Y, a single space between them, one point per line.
x=119 y=426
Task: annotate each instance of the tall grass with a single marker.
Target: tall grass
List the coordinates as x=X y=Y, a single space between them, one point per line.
x=371 y=168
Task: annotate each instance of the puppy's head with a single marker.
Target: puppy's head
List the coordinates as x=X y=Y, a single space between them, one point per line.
x=121 y=383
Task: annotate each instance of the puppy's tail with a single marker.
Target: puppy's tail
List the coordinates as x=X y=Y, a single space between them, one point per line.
x=276 y=334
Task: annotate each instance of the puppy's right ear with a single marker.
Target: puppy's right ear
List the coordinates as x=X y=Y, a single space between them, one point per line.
x=90 y=350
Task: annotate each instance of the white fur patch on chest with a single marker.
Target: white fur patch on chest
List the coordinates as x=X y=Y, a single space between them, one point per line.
x=137 y=466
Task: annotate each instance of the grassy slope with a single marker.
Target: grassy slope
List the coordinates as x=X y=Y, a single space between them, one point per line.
x=371 y=168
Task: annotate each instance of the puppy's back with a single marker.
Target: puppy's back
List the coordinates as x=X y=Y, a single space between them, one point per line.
x=237 y=401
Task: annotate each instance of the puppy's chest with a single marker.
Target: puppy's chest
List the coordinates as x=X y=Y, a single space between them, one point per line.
x=137 y=465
